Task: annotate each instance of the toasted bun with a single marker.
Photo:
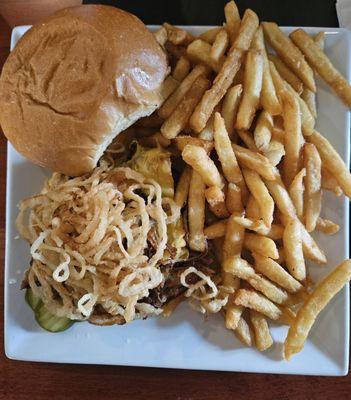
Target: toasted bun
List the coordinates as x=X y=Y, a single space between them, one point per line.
x=75 y=81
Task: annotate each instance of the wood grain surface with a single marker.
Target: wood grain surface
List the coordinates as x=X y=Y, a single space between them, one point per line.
x=35 y=381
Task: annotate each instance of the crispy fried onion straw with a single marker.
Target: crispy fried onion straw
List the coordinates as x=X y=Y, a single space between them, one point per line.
x=96 y=243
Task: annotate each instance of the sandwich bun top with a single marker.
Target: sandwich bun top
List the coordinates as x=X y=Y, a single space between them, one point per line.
x=76 y=80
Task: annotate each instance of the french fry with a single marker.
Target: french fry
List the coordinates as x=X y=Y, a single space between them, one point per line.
x=243 y=333
x=290 y=54
x=196 y=212
x=281 y=259
x=327 y=226
x=225 y=76
x=232 y=19
x=177 y=36
x=332 y=161
x=199 y=51
x=316 y=302
x=181 y=141
x=226 y=153
x=273 y=271
x=261 y=244
x=292 y=239
x=313 y=192
x=330 y=183
x=275 y=152
x=210 y=35
x=179 y=118
x=154 y=140
x=197 y=158
x=276 y=232
x=169 y=86
x=293 y=137
x=175 y=52
x=233 y=198
x=182 y=190
x=230 y=108
x=307 y=120
x=219 y=46
x=310 y=99
x=233 y=315
x=252 y=89
x=263 y=131
x=247 y=139
x=176 y=97
x=216 y=230
x=207 y=132
x=263 y=338
x=319 y=40
x=269 y=99
x=296 y=192
x=322 y=64
x=252 y=209
x=255 y=301
x=181 y=69
x=233 y=242
x=161 y=36
x=216 y=201
x=260 y=192
x=254 y=161
x=253 y=225
x=286 y=73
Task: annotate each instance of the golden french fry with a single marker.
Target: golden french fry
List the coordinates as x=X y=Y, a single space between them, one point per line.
x=247 y=139
x=322 y=64
x=263 y=338
x=281 y=259
x=286 y=73
x=316 y=302
x=252 y=89
x=181 y=69
x=253 y=225
x=293 y=137
x=233 y=242
x=327 y=226
x=210 y=35
x=179 y=118
x=296 y=192
x=197 y=158
x=181 y=141
x=255 y=301
x=176 y=97
x=169 y=86
x=278 y=132
x=307 y=120
x=261 y=244
x=332 y=161
x=263 y=131
x=276 y=232
x=232 y=19
x=225 y=76
x=219 y=46
x=233 y=198
x=161 y=36
x=310 y=99
x=216 y=201
x=196 y=212
x=169 y=308
x=230 y=108
x=216 y=230
x=269 y=99
x=275 y=152
x=290 y=54
x=273 y=271
x=154 y=140
x=313 y=192
x=225 y=152
x=260 y=192
x=182 y=190
x=319 y=40
x=243 y=333
x=233 y=315
x=199 y=51
x=255 y=161
x=330 y=183
x=252 y=209
x=292 y=239
x=177 y=36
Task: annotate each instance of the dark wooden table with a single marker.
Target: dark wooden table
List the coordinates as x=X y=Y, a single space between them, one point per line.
x=34 y=381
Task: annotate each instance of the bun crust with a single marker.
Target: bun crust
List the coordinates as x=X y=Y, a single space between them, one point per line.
x=75 y=81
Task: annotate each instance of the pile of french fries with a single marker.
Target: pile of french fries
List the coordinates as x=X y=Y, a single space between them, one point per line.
x=243 y=120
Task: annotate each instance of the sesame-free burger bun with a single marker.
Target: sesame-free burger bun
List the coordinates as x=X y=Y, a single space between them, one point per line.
x=76 y=80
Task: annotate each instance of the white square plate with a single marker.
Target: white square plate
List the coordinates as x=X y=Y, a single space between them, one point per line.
x=186 y=340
